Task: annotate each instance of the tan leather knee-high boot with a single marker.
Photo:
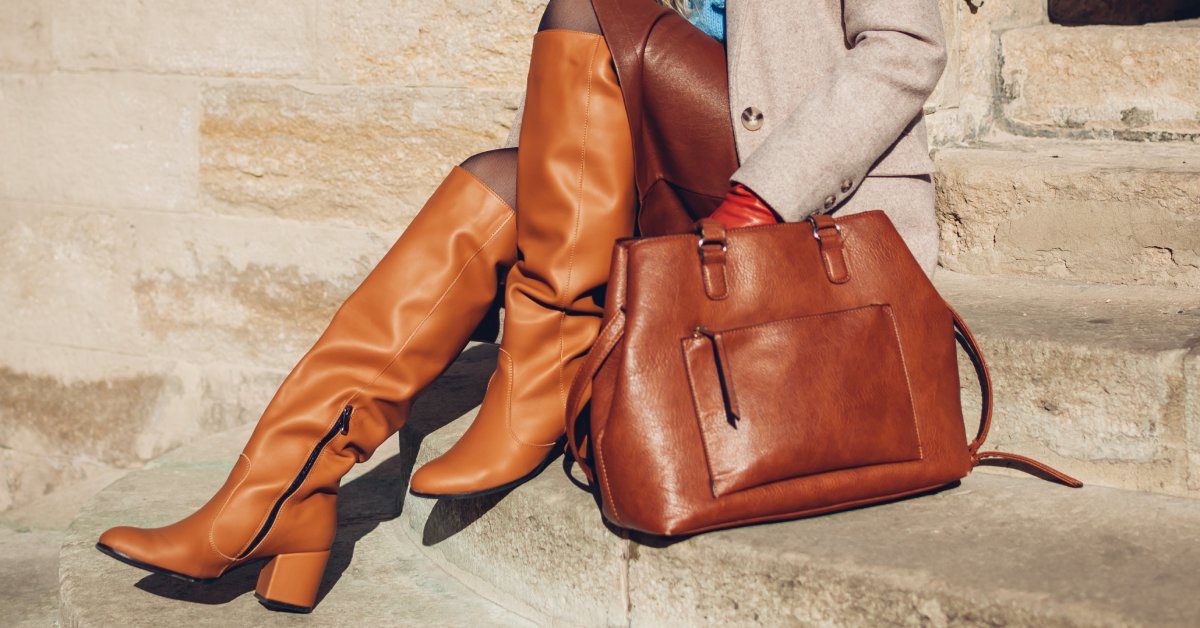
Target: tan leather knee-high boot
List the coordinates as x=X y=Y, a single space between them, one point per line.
x=575 y=195
x=399 y=330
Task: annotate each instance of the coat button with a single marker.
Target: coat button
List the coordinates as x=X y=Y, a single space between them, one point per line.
x=830 y=201
x=752 y=118
x=846 y=185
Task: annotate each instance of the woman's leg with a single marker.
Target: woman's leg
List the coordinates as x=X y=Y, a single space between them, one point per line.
x=576 y=197
x=570 y=15
x=497 y=169
x=405 y=323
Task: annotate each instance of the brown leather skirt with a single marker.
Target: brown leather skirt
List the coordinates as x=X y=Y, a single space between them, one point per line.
x=676 y=89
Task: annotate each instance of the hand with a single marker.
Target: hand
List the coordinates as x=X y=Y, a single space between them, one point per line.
x=743 y=208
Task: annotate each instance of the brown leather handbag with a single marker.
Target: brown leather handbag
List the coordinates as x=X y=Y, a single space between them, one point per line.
x=772 y=372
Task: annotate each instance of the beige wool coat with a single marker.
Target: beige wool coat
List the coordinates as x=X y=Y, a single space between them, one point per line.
x=827 y=100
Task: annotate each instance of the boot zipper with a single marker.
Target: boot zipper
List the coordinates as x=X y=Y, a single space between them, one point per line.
x=341 y=425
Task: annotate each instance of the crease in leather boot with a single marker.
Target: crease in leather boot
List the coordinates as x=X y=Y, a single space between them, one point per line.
x=406 y=322
x=575 y=198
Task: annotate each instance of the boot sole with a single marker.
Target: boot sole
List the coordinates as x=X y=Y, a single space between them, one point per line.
x=555 y=451
x=133 y=562
x=281 y=607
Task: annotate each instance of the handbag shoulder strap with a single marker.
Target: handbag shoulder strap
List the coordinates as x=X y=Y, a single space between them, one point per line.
x=964 y=337
x=581 y=387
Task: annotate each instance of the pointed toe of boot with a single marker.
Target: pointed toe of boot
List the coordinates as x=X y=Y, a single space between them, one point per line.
x=139 y=547
x=153 y=550
x=125 y=542
x=459 y=474
x=434 y=481
x=441 y=477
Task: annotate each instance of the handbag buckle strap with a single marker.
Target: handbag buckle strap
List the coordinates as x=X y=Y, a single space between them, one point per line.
x=830 y=242
x=713 y=248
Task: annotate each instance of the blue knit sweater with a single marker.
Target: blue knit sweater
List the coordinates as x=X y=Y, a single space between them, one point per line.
x=709 y=16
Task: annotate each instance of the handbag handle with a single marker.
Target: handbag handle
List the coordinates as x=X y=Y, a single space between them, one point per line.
x=967 y=341
x=581 y=387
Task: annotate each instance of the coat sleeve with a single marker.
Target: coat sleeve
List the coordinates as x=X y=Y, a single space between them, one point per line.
x=848 y=120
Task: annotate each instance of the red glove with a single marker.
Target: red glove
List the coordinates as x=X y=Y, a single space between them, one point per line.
x=743 y=208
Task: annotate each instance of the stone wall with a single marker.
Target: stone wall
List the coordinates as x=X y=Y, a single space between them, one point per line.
x=189 y=189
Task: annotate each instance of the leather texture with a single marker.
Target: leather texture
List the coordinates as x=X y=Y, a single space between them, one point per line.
x=841 y=416
x=817 y=373
x=406 y=322
x=576 y=197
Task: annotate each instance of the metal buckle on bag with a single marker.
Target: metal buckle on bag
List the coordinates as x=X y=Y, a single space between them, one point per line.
x=724 y=244
x=817 y=230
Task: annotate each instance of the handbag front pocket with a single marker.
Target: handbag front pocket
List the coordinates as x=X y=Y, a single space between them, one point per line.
x=801 y=396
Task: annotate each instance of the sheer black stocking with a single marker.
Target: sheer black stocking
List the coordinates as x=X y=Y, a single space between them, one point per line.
x=498 y=170
x=572 y=15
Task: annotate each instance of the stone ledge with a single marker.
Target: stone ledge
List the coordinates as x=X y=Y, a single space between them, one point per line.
x=1104 y=212
x=1105 y=82
x=993 y=551
x=373 y=580
x=1088 y=377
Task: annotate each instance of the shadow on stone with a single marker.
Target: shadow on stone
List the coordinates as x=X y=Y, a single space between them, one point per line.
x=236 y=583
x=451 y=516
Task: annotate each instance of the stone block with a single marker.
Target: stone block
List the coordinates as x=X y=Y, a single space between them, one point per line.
x=70 y=414
x=366 y=157
x=105 y=139
x=29 y=577
x=1191 y=375
x=205 y=288
x=271 y=38
x=1125 y=82
x=1083 y=211
x=993 y=552
x=24 y=36
x=977 y=42
x=944 y=127
x=428 y=43
x=1089 y=378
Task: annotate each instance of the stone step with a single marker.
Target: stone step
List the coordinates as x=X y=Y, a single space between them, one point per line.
x=993 y=551
x=31 y=536
x=1107 y=212
x=1117 y=82
x=1103 y=381
x=374 y=579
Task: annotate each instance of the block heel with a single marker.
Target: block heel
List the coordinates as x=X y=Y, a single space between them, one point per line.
x=289 y=582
